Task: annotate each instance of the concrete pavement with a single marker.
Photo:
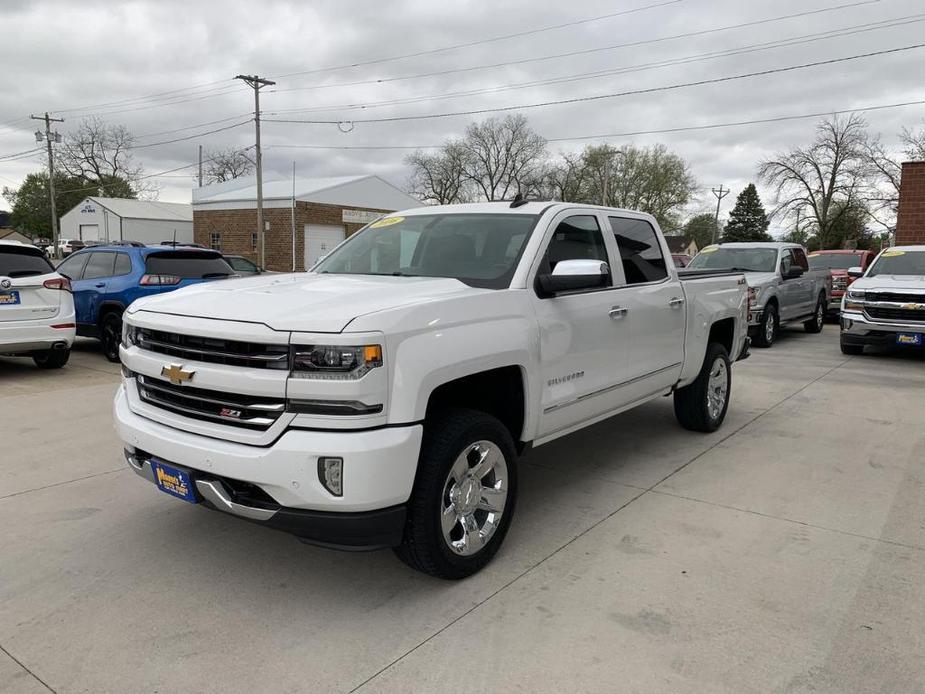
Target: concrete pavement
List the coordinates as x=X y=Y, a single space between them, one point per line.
x=784 y=553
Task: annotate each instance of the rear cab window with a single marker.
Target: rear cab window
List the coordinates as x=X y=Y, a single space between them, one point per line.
x=23 y=262
x=188 y=264
x=640 y=250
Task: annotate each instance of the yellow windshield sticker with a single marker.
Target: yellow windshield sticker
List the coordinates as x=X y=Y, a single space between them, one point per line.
x=710 y=249
x=387 y=222
x=892 y=254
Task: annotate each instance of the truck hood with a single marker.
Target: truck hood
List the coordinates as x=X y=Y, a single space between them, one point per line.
x=904 y=282
x=760 y=279
x=304 y=302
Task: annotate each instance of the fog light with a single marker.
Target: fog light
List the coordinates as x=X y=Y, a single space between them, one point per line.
x=331 y=475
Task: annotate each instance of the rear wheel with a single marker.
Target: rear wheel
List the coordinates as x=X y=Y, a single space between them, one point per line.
x=817 y=322
x=702 y=405
x=464 y=494
x=768 y=327
x=111 y=335
x=51 y=358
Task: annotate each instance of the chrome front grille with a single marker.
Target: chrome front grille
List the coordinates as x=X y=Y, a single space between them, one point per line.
x=839 y=282
x=214 y=350
x=895 y=297
x=250 y=411
x=906 y=315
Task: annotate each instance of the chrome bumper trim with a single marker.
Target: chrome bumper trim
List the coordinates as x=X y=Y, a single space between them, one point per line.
x=215 y=493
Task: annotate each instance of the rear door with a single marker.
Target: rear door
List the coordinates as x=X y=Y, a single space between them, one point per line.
x=654 y=301
x=23 y=271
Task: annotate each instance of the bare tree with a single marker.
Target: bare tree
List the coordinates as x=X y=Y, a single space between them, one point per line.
x=502 y=157
x=566 y=179
x=438 y=178
x=101 y=155
x=886 y=167
x=226 y=165
x=821 y=180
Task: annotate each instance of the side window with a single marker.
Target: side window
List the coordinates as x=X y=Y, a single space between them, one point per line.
x=576 y=238
x=73 y=266
x=786 y=261
x=800 y=259
x=215 y=241
x=99 y=265
x=123 y=264
x=640 y=250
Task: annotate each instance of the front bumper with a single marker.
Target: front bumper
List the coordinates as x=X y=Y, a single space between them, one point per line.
x=378 y=474
x=834 y=305
x=858 y=329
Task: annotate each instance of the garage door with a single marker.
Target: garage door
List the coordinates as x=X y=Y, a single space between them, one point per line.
x=89 y=232
x=320 y=240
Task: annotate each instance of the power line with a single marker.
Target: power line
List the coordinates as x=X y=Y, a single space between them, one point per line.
x=780 y=43
x=191 y=137
x=145 y=97
x=19 y=155
x=586 y=51
x=197 y=125
x=599 y=97
x=493 y=39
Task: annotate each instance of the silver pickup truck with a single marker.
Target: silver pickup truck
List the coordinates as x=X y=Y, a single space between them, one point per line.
x=782 y=289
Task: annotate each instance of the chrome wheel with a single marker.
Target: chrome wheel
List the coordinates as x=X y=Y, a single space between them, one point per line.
x=820 y=316
x=474 y=496
x=769 y=326
x=717 y=388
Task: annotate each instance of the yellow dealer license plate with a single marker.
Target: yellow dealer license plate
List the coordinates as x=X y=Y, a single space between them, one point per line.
x=9 y=298
x=174 y=480
x=910 y=339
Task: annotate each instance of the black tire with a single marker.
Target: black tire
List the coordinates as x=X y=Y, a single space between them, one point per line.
x=51 y=358
x=766 y=334
x=447 y=437
x=852 y=350
x=111 y=335
x=817 y=322
x=692 y=405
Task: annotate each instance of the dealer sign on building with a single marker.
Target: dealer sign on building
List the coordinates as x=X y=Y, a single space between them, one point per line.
x=359 y=216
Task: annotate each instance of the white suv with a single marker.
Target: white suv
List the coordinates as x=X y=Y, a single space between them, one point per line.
x=36 y=307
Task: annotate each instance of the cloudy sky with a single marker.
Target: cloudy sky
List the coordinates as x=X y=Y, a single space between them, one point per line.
x=165 y=70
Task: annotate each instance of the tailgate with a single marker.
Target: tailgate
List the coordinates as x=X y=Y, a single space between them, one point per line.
x=27 y=299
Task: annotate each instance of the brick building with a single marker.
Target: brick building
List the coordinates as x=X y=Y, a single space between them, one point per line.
x=326 y=210
x=910 y=222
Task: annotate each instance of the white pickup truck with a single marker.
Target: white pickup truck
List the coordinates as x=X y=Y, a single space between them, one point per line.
x=382 y=399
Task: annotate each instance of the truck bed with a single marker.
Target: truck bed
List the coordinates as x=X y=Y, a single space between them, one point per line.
x=685 y=274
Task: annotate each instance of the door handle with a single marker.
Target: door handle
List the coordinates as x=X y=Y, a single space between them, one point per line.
x=100 y=285
x=676 y=302
x=618 y=312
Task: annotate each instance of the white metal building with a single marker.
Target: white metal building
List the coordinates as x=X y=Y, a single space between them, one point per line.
x=121 y=219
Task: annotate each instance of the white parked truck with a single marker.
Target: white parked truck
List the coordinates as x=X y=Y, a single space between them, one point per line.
x=382 y=399
x=885 y=306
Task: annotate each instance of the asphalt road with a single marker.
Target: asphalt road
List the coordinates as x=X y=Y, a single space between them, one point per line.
x=784 y=553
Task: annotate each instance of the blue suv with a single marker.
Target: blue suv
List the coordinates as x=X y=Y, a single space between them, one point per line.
x=106 y=279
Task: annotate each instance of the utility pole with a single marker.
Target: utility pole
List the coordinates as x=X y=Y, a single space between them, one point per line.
x=49 y=138
x=720 y=194
x=257 y=83
x=200 y=166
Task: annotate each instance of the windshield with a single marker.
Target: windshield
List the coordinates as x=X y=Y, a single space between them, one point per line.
x=23 y=262
x=481 y=250
x=740 y=259
x=834 y=261
x=899 y=263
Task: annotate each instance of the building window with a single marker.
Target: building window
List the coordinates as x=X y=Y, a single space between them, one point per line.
x=254 y=240
x=215 y=241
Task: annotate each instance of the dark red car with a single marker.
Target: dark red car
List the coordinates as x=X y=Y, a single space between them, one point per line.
x=837 y=262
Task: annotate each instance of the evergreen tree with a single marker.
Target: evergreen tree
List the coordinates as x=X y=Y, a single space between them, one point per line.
x=748 y=220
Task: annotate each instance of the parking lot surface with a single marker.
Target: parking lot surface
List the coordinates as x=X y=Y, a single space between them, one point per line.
x=784 y=553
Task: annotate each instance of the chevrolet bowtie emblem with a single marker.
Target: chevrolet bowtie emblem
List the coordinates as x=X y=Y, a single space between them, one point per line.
x=913 y=307
x=176 y=374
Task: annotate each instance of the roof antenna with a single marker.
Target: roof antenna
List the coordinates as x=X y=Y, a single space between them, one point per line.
x=519 y=200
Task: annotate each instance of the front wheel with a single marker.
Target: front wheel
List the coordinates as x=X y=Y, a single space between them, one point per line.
x=767 y=328
x=111 y=335
x=464 y=495
x=817 y=322
x=702 y=405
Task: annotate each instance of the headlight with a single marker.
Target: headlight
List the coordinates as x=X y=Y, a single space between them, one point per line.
x=753 y=294
x=129 y=333
x=335 y=362
x=854 y=300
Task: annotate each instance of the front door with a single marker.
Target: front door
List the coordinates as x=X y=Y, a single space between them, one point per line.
x=654 y=300
x=793 y=292
x=89 y=290
x=583 y=339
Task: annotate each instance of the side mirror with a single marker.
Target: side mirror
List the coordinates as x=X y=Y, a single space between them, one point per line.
x=574 y=275
x=855 y=272
x=793 y=272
